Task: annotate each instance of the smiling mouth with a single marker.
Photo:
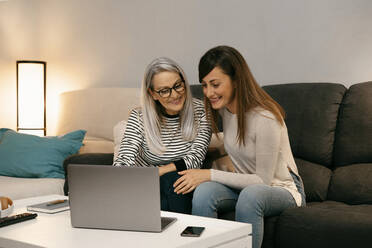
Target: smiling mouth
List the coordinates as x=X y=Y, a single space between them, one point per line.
x=214 y=100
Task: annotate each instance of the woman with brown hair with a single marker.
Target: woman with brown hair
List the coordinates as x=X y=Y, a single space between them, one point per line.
x=266 y=180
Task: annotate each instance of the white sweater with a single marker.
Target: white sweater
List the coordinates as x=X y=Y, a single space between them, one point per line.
x=266 y=157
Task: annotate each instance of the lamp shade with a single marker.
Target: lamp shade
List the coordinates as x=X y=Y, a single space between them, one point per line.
x=31 y=94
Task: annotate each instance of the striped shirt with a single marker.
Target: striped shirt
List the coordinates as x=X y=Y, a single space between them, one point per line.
x=134 y=150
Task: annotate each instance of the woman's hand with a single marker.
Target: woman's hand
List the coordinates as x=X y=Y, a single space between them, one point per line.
x=190 y=179
x=166 y=168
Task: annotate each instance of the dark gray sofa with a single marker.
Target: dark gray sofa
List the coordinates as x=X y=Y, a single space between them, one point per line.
x=330 y=130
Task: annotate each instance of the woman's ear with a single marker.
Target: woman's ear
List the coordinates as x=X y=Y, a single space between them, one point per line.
x=234 y=84
x=153 y=94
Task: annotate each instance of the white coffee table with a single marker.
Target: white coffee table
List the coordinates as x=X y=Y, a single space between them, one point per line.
x=55 y=230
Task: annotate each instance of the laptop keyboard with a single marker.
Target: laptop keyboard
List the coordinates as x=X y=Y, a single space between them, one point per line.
x=165 y=221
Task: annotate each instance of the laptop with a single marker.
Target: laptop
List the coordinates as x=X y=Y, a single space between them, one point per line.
x=116 y=198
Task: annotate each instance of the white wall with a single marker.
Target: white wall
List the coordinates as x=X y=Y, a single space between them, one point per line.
x=18 y=39
x=108 y=43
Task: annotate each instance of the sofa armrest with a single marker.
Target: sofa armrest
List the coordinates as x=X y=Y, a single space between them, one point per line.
x=86 y=158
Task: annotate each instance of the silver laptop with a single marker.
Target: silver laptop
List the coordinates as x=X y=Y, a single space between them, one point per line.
x=118 y=198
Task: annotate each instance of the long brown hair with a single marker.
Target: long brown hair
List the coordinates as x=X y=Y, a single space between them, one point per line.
x=248 y=93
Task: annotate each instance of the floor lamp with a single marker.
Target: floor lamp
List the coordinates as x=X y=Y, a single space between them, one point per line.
x=31 y=97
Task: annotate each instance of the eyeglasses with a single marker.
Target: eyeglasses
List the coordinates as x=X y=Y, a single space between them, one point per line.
x=179 y=87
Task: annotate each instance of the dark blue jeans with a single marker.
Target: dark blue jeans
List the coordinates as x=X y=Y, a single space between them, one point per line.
x=170 y=201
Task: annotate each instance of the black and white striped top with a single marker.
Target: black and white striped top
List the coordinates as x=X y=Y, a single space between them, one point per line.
x=134 y=150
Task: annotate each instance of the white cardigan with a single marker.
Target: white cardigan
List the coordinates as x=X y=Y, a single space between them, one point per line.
x=266 y=157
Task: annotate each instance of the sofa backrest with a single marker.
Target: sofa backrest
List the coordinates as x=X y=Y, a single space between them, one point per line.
x=311 y=117
x=352 y=176
x=312 y=111
x=197 y=91
x=96 y=110
x=353 y=142
x=330 y=131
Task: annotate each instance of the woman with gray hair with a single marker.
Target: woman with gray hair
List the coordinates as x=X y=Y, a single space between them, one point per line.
x=170 y=130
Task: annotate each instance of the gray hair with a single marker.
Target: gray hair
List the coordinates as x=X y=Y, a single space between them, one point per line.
x=150 y=111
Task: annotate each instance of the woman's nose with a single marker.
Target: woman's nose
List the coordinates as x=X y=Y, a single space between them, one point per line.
x=208 y=91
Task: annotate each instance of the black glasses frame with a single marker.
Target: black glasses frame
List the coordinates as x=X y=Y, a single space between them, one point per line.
x=169 y=92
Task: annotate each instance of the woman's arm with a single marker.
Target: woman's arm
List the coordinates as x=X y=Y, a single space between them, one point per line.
x=190 y=179
x=196 y=155
x=268 y=136
x=164 y=169
x=268 y=139
x=131 y=142
x=235 y=180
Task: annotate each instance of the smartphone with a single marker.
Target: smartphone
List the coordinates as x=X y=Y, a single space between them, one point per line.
x=192 y=231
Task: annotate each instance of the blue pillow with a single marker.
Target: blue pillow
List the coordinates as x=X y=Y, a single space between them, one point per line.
x=2 y=131
x=30 y=156
x=77 y=135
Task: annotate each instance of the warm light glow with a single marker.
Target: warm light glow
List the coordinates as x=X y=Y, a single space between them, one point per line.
x=33 y=132
x=31 y=97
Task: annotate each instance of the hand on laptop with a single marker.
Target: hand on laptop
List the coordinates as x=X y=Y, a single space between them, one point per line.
x=190 y=179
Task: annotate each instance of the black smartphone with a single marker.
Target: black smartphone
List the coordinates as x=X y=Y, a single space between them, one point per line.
x=192 y=231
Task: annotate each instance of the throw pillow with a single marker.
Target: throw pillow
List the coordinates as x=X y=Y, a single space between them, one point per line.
x=2 y=131
x=119 y=130
x=30 y=156
x=77 y=135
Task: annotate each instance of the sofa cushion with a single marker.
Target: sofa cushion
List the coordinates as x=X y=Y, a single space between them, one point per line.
x=311 y=117
x=353 y=144
x=269 y=232
x=316 y=179
x=97 y=145
x=352 y=184
x=30 y=156
x=326 y=224
x=19 y=188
